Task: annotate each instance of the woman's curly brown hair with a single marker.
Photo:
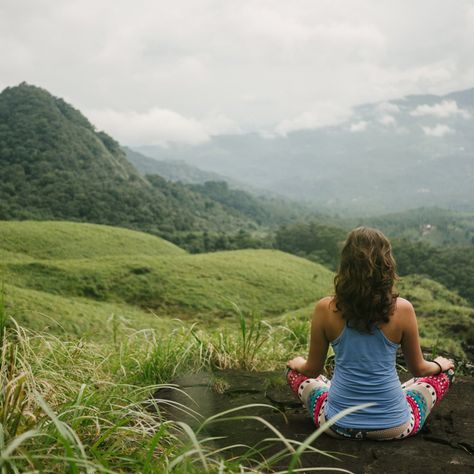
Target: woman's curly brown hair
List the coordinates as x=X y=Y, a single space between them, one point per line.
x=364 y=283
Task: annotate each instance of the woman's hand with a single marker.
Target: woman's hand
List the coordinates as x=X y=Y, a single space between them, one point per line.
x=445 y=364
x=298 y=364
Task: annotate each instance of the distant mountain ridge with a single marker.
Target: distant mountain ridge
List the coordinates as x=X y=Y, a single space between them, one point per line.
x=171 y=170
x=389 y=156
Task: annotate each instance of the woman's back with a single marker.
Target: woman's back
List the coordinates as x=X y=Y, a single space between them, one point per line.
x=365 y=373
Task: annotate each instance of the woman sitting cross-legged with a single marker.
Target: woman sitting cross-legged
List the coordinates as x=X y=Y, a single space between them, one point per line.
x=365 y=322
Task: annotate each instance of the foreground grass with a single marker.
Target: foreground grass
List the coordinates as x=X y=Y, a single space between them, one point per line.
x=82 y=406
x=79 y=406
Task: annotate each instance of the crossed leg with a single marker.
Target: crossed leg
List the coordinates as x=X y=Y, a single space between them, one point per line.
x=422 y=395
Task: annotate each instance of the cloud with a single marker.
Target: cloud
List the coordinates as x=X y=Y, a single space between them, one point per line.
x=444 y=109
x=256 y=62
x=321 y=115
x=159 y=126
x=360 y=126
x=388 y=108
x=439 y=130
x=387 y=120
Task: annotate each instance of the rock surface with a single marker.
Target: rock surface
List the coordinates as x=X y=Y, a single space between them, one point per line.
x=445 y=445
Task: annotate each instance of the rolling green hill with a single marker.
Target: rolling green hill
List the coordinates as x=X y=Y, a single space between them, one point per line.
x=88 y=280
x=73 y=318
x=70 y=240
x=71 y=263
x=266 y=281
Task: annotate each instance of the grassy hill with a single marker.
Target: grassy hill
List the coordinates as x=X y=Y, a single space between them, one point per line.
x=99 y=305
x=64 y=267
x=71 y=240
x=265 y=281
x=73 y=318
x=80 y=278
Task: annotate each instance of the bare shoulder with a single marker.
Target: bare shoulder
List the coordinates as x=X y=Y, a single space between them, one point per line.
x=324 y=305
x=404 y=306
x=327 y=317
x=404 y=314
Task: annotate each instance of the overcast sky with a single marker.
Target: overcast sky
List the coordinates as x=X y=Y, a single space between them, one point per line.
x=153 y=71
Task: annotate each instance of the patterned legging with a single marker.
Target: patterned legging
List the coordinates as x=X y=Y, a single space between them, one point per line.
x=422 y=394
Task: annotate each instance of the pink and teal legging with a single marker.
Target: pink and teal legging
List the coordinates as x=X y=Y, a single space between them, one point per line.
x=422 y=394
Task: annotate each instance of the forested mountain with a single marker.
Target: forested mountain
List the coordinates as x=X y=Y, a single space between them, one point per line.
x=406 y=153
x=55 y=165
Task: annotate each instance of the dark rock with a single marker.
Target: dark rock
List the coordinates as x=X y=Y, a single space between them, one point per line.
x=444 y=445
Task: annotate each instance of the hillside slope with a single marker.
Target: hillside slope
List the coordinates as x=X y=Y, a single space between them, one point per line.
x=112 y=265
x=82 y=279
x=265 y=281
x=69 y=240
x=55 y=165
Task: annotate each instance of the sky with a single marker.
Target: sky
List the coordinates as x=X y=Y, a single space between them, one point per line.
x=155 y=71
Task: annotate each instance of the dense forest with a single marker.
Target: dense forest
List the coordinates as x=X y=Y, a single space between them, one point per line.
x=451 y=265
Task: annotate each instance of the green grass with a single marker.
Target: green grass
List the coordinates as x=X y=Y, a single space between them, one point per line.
x=125 y=282
x=70 y=240
x=73 y=317
x=266 y=281
x=82 y=406
x=99 y=304
x=444 y=318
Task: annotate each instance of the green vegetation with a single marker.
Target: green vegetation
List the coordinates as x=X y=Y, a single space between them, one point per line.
x=450 y=265
x=444 y=318
x=93 y=317
x=77 y=385
x=83 y=406
x=69 y=240
x=317 y=242
x=427 y=224
x=182 y=285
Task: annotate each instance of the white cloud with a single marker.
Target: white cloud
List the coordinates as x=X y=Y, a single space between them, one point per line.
x=196 y=57
x=360 y=126
x=444 y=109
x=388 y=108
x=439 y=130
x=159 y=126
x=321 y=115
x=387 y=120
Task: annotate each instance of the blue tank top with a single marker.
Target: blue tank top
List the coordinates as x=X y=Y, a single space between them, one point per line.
x=365 y=372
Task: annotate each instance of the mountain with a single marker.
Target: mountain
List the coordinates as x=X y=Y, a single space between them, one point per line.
x=171 y=170
x=390 y=156
x=55 y=165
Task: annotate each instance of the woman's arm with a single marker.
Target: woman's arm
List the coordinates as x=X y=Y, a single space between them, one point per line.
x=318 y=346
x=414 y=359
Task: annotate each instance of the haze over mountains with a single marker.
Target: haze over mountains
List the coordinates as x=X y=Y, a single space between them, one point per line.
x=406 y=153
